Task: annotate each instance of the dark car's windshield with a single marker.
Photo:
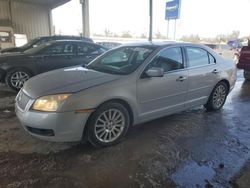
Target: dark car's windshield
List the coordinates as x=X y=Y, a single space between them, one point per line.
x=30 y=43
x=124 y=60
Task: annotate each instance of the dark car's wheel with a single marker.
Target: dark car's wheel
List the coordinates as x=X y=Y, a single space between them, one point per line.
x=247 y=75
x=16 y=78
x=108 y=124
x=218 y=97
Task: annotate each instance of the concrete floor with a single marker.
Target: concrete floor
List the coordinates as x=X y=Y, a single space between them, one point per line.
x=190 y=149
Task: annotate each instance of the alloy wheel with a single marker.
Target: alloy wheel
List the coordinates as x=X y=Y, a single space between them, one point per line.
x=18 y=79
x=109 y=125
x=219 y=96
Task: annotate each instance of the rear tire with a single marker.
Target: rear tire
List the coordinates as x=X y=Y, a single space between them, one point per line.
x=108 y=124
x=218 y=97
x=246 y=75
x=16 y=78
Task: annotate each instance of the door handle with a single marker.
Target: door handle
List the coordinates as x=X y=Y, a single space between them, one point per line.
x=89 y=56
x=68 y=57
x=215 y=71
x=181 y=78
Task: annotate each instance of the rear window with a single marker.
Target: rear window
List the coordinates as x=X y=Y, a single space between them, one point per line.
x=197 y=57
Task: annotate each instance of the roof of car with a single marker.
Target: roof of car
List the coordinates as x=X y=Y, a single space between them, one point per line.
x=61 y=36
x=72 y=40
x=161 y=43
x=144 y=43
x=66 y=37
x=69 y=40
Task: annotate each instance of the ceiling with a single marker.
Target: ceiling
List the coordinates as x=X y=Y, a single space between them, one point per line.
x=49 y=3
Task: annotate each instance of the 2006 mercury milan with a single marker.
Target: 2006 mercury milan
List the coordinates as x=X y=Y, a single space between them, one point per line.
x=123 y=87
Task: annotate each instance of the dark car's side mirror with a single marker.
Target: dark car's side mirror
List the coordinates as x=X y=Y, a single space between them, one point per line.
x=155 y=72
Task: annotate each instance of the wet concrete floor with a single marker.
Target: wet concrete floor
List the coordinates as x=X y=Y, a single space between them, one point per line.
x=189 y=149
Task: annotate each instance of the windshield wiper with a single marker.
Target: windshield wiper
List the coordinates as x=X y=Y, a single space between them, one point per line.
x=94 y=68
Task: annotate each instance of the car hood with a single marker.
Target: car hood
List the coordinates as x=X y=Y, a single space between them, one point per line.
x=12 y=49
x=11 y=56
x=65 y=80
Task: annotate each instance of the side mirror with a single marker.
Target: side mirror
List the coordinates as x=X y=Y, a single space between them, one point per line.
x=155 y=72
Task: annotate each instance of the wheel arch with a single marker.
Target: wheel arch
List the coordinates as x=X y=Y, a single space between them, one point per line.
x=19 y=67
x=10 y=72
x=226 y=82
x=208 y=103
x=118 y=100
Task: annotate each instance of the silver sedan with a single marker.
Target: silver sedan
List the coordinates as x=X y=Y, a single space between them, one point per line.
x=125 y=86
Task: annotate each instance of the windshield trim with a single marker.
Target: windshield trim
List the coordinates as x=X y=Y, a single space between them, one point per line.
x=30 y=43
x=109 y=71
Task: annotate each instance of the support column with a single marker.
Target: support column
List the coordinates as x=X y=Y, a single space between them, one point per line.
x=174 y=29
x=51 y=25
x=150 y=20
x=85 y=18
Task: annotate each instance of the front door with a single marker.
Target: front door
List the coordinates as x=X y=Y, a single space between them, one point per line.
x=159 y=96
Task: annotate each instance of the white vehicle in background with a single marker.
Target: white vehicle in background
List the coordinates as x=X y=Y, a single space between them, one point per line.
x=6 y=37
x=20 y=40
x=224 y=50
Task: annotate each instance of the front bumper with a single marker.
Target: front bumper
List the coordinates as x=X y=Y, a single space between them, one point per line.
x=56 y=127
x=2 y=75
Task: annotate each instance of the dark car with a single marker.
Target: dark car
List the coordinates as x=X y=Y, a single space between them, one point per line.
x=41 y=40
x=244 y=61
x=16 y=68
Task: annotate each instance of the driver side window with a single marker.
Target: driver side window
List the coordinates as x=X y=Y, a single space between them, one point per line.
x=169 y=59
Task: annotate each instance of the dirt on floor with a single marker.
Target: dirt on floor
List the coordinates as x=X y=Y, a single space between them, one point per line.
x=189 y=149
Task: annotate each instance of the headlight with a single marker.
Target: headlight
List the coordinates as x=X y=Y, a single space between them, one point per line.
x=49 y=103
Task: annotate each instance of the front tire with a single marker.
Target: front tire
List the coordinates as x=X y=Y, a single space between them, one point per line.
x=108 y=124
x=16 y=78
x=247 y=75
x=218 y=97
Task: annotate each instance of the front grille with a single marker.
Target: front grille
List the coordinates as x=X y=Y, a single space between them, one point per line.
x=2 y=75
x=22 y=99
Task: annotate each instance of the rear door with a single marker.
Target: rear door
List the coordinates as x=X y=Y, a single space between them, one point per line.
x=202 y=73
x=86 y=52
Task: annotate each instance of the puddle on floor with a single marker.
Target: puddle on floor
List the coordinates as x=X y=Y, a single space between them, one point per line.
x=194 y=175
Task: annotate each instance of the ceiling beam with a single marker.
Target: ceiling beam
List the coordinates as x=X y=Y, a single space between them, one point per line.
x=51 y=4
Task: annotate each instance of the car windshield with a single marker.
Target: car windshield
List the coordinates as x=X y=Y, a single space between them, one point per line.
x=123 y=60
x=37 y=48
x=30 y=43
